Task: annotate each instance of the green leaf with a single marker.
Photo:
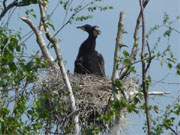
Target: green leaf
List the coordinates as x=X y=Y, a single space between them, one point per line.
x=170 y=65
x=18 y=48
x=178 y=72
x=167 y=33
x=166 y=18
x=51 y=25
x=126 y=54
x=4 y=112
x=12 y=67
x=127 y=62
x=119 y=84
x=83 y=18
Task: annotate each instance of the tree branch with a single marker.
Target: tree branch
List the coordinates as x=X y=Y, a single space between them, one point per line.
x=40 y=40
x=57 y=50
x=144 y=71
x=119 y=45
x=150 y=56
x=13 y=4
x=138 y=22
x=134 y=50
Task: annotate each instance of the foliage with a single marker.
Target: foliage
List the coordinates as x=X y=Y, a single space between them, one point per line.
x=167 y=55
x=16 y=73
x=168 y=120
x=14 y=65
x=28 y=2
x=22 y=111
x=78 y=11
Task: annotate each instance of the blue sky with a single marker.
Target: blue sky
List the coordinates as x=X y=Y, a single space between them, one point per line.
x=71 y=38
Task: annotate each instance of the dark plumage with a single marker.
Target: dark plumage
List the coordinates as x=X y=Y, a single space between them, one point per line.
x=89 y=61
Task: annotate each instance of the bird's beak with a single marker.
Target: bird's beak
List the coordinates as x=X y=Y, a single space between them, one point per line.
x=81 y=27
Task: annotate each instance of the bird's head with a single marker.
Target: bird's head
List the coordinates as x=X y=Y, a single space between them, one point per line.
x=94 y=30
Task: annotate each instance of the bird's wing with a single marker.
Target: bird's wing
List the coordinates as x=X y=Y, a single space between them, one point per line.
x=79 y=66
x=95 y=63
x=101 y=64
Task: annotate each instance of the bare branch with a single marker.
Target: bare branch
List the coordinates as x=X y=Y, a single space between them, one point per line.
x=40 y=40
x=126 y=71
x=144 y=72
x=149 y=60
x=137 y=27
x=4 y=4
x=173 y=131
x=119 y=45
x=57 y=50
x=158 y=93
x=15 y=3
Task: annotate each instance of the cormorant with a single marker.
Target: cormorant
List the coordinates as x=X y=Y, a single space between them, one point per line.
x=88 y=60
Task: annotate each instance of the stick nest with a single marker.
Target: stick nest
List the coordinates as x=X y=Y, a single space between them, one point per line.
x=92 y=93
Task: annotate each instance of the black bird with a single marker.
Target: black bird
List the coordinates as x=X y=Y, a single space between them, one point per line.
x=88 y=60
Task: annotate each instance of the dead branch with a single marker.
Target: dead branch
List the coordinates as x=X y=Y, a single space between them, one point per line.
x=158 y=93
x=57 y=50
x=119 y=42
x=40 y=40
x=136 y=31
x=134 y=50
x=144 y=70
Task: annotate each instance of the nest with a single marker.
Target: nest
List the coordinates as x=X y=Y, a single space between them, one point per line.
x=92 y=94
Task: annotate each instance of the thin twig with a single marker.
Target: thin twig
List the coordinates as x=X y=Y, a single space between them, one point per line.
x=144 y=71
x=150 y=56
x=70 y=18
x=13 y=4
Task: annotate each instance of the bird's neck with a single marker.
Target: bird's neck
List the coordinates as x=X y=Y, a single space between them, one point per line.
x=88 y=46
x=92 y=40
